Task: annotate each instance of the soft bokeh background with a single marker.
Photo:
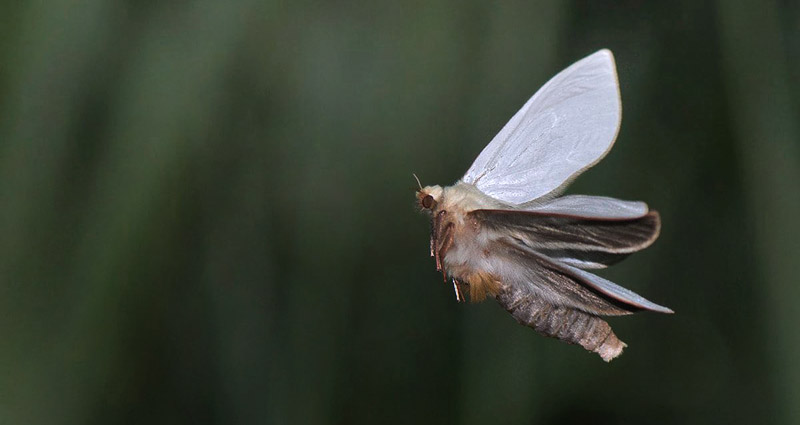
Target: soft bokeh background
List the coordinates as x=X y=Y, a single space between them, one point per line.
x=206 y=211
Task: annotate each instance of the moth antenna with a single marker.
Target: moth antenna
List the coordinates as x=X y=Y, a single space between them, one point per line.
x=417 y=178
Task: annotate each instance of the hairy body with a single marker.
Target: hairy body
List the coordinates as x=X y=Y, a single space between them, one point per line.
x=492 y=249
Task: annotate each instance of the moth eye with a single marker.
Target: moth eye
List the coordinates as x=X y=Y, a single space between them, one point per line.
x=427 y=201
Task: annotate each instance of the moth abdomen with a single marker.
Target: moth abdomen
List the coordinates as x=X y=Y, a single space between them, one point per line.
x=567 y=324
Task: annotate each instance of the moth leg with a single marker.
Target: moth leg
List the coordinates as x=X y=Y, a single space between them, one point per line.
x=458 y=290
x=445 y=242
x=433 y=239
x=436 y=224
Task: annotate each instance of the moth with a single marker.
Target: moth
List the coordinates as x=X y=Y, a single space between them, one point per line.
x=503 y=231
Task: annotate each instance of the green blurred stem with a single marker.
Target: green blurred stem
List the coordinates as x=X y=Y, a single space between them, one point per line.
x=759 y=89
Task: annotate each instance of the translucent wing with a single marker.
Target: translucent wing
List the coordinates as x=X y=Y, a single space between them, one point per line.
x=587 y=242
x=562 y=284
x=599 y=207
x=565 y=128
x=615 y=291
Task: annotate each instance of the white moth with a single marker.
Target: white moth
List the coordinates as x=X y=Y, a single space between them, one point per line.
x=502 y=230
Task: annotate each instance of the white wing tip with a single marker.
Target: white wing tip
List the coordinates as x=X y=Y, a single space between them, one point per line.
x=604 y=51
x=604 y=54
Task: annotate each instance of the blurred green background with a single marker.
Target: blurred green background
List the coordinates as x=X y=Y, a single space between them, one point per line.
x=207 y=211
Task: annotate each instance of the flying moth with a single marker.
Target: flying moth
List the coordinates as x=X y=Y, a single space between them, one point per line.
x=504 y=231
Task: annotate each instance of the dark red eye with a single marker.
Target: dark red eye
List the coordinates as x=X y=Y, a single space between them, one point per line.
x=427 y=201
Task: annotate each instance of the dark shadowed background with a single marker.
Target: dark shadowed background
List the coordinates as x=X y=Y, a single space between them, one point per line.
x=207 y=211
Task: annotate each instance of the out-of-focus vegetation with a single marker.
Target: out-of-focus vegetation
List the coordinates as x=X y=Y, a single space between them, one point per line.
x=206 y=211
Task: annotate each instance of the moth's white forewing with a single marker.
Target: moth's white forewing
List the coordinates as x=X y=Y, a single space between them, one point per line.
x=565 y=128
x=586 y=206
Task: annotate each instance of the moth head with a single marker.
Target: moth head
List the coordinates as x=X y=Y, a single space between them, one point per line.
x=429 y=197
